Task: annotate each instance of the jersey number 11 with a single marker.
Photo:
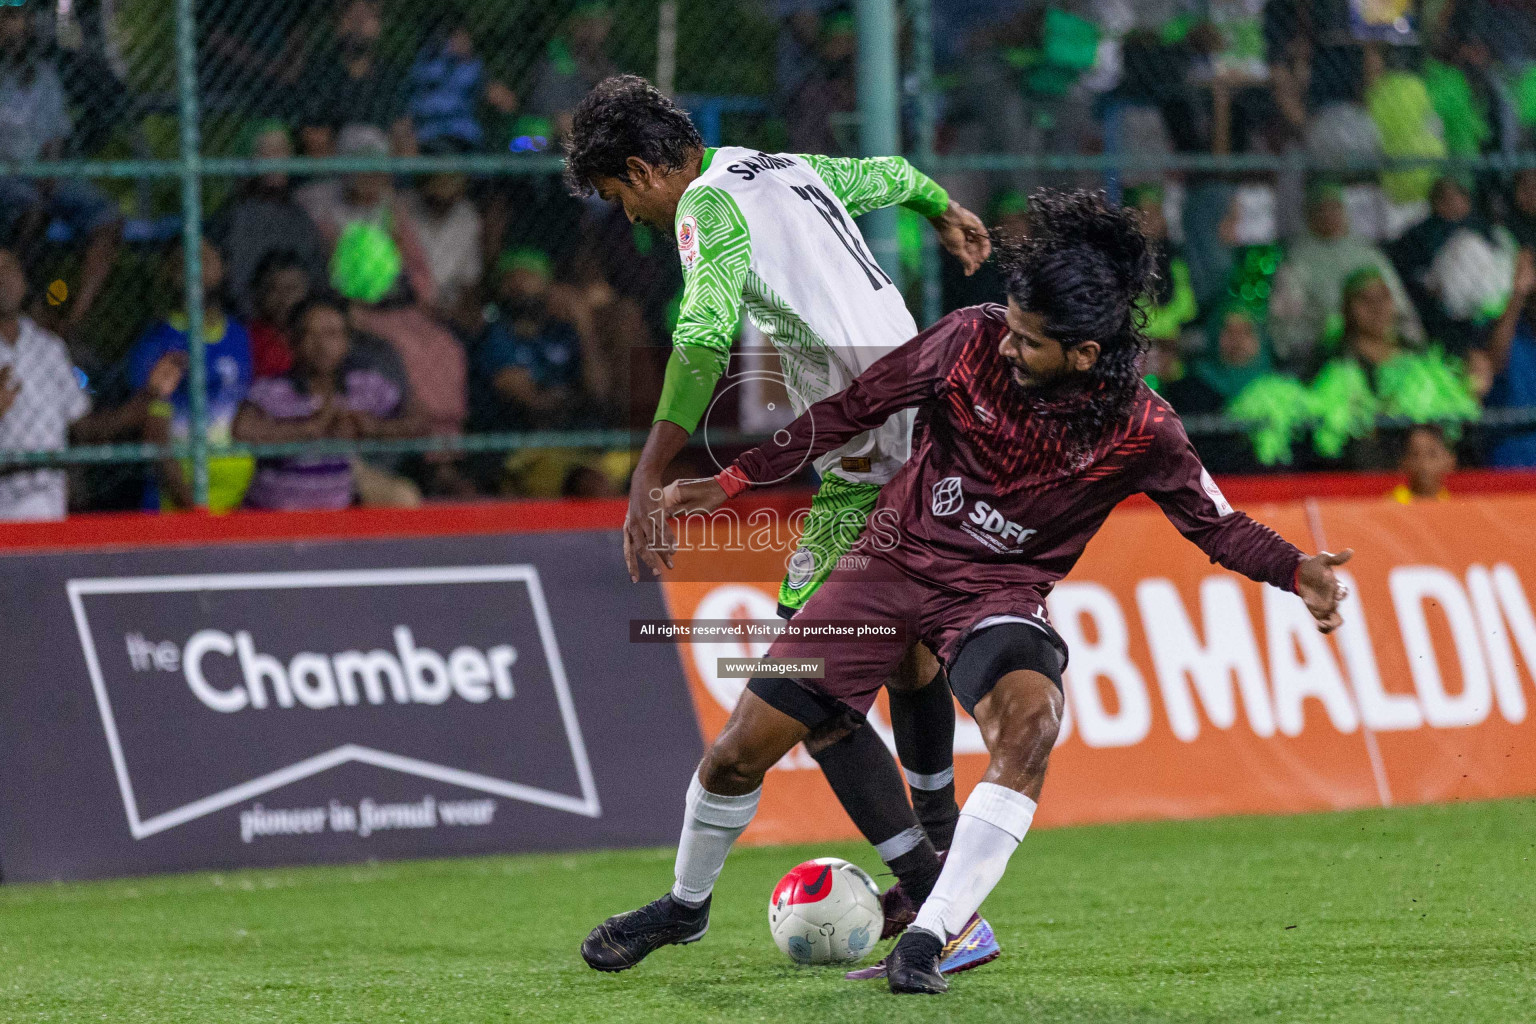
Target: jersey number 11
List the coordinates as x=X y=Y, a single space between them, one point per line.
x=845 y=233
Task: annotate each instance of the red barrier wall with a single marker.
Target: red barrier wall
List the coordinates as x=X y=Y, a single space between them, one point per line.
x=1191 y=691
x=138 y=529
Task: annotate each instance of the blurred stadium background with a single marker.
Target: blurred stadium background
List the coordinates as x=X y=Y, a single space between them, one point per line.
x=1276 y=147
x=1344 y=196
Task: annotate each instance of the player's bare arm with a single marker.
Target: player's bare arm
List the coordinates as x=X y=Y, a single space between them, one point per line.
x=682 y=497
x=648 y=538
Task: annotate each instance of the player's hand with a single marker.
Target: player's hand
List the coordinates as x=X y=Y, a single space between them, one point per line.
x=165 y=376
x=647 y=538
x=683 y=496
x=964 y=236
x=9 y=389
x=1321 y=589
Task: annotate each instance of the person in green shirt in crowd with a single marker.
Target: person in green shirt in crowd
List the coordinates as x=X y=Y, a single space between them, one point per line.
x=1304 y=308
x=1237 y=353
x=575 y=60
x=1375 y=375
x=1400 y=103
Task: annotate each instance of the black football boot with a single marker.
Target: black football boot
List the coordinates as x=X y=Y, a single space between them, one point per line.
x=625 y=939
x=913 y=966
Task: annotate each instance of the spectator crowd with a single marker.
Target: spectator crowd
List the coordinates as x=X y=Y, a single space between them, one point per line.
x=1341 y=275
x=1303 y=305
x=363 y=306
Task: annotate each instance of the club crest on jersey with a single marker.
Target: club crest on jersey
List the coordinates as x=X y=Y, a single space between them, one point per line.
x=948 y=496
x=688 y=241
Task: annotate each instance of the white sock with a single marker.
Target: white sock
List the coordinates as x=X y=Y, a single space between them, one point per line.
x=992 y=823
x=711 y=823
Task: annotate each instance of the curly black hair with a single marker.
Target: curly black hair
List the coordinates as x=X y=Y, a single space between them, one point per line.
x=1084 y=266
x=625 y=116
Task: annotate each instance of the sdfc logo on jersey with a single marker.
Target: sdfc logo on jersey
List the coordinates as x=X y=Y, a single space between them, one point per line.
x=947 y=496
x=688 y=241
x=993 y=521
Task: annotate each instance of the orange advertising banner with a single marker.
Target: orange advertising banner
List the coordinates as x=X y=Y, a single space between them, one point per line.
x=1192 y=691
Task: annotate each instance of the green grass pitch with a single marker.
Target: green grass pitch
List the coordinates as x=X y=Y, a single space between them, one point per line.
x=1417 y=914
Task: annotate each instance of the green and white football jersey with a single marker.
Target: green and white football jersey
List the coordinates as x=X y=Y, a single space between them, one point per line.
x=775 y=232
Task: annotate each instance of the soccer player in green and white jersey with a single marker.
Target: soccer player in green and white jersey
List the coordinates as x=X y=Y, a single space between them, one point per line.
x=776 y=233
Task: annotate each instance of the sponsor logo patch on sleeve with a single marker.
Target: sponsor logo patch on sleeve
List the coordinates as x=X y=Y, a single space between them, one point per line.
x=1214 y=493
x=688 y=241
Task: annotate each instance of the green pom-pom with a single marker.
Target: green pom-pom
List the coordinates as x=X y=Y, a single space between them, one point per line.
x=367 y=262
x=1345 y=406
x=1278 y=405
x=1426 y=388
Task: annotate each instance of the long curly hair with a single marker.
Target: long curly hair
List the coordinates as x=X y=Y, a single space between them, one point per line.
x=625 y=116
x=1084 y=266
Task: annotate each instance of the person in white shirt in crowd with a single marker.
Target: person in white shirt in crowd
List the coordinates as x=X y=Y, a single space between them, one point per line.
x=449 y=228
x=44 y=405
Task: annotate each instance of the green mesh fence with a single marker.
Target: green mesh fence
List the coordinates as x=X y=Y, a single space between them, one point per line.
x=1276 y=148
x=508 y=339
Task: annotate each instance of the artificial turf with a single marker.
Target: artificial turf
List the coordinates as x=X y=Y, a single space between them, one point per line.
x=1422 y=914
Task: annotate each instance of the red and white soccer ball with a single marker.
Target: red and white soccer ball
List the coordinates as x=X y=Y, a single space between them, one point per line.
x=825 y=911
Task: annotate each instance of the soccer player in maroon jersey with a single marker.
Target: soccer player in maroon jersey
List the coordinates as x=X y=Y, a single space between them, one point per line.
x=1033 y=424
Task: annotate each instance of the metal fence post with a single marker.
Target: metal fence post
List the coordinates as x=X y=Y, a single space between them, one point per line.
x=927 y=128
x=192 y=243
x=879 y=115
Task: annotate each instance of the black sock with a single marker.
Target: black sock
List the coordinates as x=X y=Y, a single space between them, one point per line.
x=924 y=724
x=867 y=783
x=918 y=871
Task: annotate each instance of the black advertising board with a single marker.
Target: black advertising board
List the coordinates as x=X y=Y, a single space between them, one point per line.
x=220 y=706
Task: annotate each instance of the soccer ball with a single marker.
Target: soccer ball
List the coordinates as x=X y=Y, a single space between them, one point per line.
x=825 y=911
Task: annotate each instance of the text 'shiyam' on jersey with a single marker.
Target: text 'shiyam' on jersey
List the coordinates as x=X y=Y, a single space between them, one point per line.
x=775 y=232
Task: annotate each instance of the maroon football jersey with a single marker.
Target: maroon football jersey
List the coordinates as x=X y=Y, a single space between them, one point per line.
x=991 y=497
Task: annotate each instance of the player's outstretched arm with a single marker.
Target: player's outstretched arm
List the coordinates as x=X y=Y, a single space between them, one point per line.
x=902 y=379
x=873 y=183
x=700 y=495
x=1176 y=480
